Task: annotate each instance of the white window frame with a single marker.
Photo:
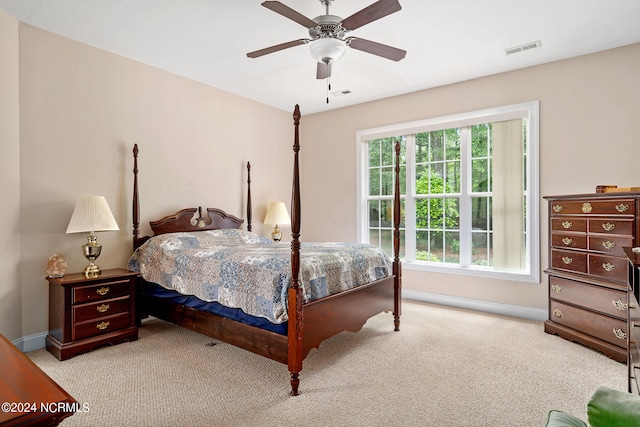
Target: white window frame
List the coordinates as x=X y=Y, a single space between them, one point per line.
x=531 y=273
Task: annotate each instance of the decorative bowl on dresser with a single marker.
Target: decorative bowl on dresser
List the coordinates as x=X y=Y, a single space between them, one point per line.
x=85 y=313
x=588 y=268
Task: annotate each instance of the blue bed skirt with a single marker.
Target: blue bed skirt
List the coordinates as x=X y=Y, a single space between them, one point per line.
x=236 y=314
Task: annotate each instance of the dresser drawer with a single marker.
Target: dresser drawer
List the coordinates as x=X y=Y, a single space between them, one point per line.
x=103 y=290
x=569 y=260
x=611 y=226
x=572 y=241
x=83 y=312
x=100 y=326
x=609 y=329
x=609 y=244
x=594 y=207
x=597 y=298
x=609 y=267
x=576 y=225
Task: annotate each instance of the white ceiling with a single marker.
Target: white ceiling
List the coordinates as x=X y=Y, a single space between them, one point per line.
x=447 y=41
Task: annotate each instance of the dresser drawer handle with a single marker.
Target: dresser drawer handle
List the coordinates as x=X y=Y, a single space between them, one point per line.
x=558 y=313
x=567 y=241
x=567 y=260
x=607 y=226
x=102 y=325
x=608 y=267
x=567 y=224
x=557 y=289
x=620 y=334
x=102 y=291
x=557 y=208
x=620 y=305
x=102 y=308
x=622 y=208
x=586 y=207
x=608 y=245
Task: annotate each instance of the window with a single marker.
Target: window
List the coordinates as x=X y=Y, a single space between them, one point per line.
x=469 y=186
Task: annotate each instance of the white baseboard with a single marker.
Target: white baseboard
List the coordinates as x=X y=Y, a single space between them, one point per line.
x=31 y=342
x=478 y=305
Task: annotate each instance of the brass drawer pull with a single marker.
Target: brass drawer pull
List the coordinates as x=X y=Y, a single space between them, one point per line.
x=102 y=308
x=622 y=208
x=567 y=260
x=586 y=207
x=567 y=224
x=557 y=208
x=620 y=305
x=620 y=334
x=567 y=241
x=102 y=326
x=608 y=245
x=558 y=313
x=557 y=289
x=102 y=291
x=608 y=267
x=607 y=226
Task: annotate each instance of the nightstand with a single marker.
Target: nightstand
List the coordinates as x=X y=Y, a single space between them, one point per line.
x=87 y=313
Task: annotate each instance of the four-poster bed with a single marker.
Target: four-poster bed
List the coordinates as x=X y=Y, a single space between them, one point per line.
x=308 y=321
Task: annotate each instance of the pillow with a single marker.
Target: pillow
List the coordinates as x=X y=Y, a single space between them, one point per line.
x=561 y=419
x=613 y=408
x=206 y=239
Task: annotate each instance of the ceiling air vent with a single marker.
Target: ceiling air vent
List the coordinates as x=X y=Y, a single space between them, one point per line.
x=522 y=47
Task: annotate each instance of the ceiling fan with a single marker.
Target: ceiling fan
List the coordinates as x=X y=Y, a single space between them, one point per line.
x=327 y=41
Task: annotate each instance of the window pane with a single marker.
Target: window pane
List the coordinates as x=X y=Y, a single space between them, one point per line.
x=374 y=182
x=451 y=247
x=436 y=213
x=374 y=213
x=422 y=147
x=452 y=213
x=386 y=218
x=436 y=181
x=387 y=180
x=437 y=145
x=386 y=241
x=482 y=244
x=480 y=213
x=388 y=151
x=480 y=140
x=422 y=179
x=453 y=177
x=453 y=144
x=374 y=153
x=422 y=213
x=374 y=236
x=480 y=175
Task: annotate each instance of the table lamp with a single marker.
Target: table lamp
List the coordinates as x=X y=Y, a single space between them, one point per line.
x=92 y=214
x=277 y=214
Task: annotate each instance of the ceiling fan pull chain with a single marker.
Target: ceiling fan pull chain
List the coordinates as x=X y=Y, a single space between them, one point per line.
x=328 y=88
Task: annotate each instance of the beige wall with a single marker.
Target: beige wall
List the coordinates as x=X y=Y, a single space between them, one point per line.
x=589 y=108
x=81 y=111
x=10 y=291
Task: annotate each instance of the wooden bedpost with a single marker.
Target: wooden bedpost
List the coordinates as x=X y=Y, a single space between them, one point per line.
x=397 y=270
x=249 y=209
x=136 y=202
x=295 y=294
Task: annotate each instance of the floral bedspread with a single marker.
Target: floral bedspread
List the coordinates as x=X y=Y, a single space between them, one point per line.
x=240 y=269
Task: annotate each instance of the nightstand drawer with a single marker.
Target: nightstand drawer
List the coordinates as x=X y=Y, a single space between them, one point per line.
x=84 y=312
x=609 y=267
x=610 y=244
x=569 y=224
x=100 y=326
x=570 y=241
x=606 y=328
x=104 y=290
x=611 y=226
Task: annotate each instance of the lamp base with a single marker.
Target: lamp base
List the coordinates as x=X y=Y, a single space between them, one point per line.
x=276 y=235
x=91 y=271
x=91 y=251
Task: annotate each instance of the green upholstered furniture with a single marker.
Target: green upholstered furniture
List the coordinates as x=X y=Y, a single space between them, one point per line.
x=607 y=408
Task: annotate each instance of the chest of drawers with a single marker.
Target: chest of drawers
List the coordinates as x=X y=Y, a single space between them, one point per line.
x=588 y=269
x=87 y=313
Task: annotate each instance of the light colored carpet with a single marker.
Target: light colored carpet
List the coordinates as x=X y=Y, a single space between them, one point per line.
x=446 y=367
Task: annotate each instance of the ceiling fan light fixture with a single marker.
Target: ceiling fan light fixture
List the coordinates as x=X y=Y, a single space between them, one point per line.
x=327 y=50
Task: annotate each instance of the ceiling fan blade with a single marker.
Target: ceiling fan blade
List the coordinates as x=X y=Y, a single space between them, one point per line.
x=276 y=48
x=379 y=49
x=287 y=12
x=375 y=11
x=323 y=70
